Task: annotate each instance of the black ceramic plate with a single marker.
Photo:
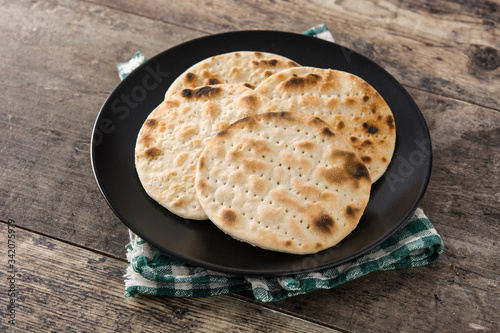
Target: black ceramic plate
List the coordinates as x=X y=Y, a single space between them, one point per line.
x=394 y=197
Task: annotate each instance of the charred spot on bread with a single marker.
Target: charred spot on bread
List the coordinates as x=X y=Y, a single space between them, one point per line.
x=151 y=122
x=229 y=217
x=359 y=171
x=370 y=129
x=367 y=142
x=301 y=81
x=206 y=91
x=327 y=132
x=212 y=81
x=265 y=63
x=324 y=224
x=152 y=152
x=190 y=77
x=351 y=212
x=186 y=93
x=202 y=92
x=390 y=121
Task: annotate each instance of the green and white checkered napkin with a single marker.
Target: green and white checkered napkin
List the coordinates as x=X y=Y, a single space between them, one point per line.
x=151 y=272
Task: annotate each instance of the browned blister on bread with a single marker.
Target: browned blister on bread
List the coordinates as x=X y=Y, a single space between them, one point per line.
x=242 y=67
x=283 y=181
x=346 y=102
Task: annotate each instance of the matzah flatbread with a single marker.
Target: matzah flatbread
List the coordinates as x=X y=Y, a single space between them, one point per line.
x=283 y=181
x=174 y=134
x=346 y=102
x=245 y=67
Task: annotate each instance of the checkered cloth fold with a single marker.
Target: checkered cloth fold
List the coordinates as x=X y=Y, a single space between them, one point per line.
x=152 y=272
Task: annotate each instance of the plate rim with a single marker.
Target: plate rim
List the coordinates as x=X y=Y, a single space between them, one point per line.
x=252 y=272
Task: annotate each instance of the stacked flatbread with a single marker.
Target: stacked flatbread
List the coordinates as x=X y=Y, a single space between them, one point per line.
x=346 y=102
x=174 y=135
x=274 y=154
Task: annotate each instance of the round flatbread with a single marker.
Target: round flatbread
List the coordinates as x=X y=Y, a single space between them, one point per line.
x=174 y=134
x=346 y=102
x=283 y=181
x=243 y=67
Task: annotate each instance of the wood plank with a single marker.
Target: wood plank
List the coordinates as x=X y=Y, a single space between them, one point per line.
x=450 y=48
x=43 y=148
x=58 y=66
x=60 y=287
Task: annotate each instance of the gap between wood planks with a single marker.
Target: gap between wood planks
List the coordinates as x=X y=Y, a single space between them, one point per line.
x=236 y=296
x=273 y=307
x=450 y=97
x=66 y=242
x=211 y=33
x=147 y=17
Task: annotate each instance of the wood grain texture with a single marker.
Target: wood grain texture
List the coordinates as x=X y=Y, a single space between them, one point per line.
x=76 y=290
x=58 y=66
x=446 y=47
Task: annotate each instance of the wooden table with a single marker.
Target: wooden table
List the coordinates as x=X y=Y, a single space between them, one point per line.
x=57 y=67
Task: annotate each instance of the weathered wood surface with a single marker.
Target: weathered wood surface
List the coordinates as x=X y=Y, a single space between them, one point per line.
x=58 y=66
x=76 y=290
x=440 y=46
